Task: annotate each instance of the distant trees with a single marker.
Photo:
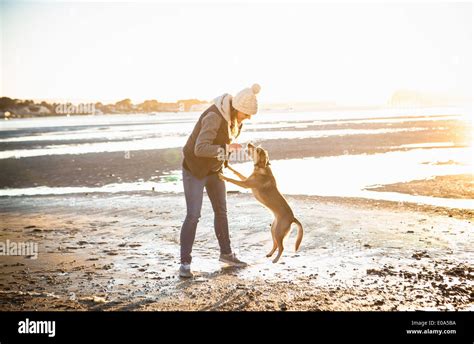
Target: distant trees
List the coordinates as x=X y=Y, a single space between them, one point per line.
x=28 y=108
x=188 y=103
x=6 y=102
x=124 y=105
x=180 y=105
x=19 y=107
x=148 y=106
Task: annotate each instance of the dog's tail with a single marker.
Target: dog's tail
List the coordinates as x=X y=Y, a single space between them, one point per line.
x=299 y=236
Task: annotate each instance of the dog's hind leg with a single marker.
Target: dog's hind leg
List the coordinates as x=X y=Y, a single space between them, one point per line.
x=281 y=230
x=275 y=245
x=280 y=250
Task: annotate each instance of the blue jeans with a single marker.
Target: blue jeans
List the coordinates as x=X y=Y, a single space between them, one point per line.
x=193 y=192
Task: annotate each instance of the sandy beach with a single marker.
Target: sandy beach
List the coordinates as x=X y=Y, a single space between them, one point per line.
x=119 y=251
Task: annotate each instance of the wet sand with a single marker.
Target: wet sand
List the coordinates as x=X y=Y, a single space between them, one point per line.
x=456 y=186
x=120 y=252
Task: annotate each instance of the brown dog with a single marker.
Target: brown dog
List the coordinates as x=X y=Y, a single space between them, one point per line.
x=263 y=185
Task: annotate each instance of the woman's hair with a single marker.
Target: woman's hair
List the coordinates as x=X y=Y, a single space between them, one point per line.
x=234 y=125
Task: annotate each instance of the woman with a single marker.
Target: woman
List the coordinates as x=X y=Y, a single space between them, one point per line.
x=204 y=155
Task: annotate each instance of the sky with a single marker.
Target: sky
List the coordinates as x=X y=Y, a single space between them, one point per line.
x=343 y=53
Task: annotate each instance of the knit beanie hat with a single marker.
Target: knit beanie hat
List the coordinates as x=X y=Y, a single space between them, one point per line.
x=246 y=101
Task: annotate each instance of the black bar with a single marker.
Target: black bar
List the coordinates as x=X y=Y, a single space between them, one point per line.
x=320 y=327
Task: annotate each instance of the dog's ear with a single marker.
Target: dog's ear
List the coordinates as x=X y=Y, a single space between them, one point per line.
x=264 y=159
x=261 y=158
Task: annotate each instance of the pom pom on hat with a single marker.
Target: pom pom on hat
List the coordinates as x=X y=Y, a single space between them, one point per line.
x=255 y=88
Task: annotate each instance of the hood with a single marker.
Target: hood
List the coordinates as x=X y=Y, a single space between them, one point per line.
x=223 y=105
